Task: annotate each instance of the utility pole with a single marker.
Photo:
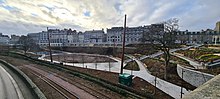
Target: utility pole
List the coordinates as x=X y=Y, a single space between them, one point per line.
x=48 y=37
x=123 y=46
x=181 y=92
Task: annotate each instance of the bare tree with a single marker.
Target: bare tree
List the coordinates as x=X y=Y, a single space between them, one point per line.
x=163 y=39
x=27 y=43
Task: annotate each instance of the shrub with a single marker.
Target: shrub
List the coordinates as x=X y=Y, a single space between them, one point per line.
x=208 y=57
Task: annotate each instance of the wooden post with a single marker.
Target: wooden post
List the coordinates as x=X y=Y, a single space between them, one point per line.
x=109 y=66
x=48 y=34
x=155 y=84
x=181 y=93
x=123 y=46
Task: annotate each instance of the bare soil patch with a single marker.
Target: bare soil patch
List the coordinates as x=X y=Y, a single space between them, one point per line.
x=76 y=58
x=156 y=67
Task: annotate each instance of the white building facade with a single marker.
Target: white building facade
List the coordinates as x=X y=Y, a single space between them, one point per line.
x=4 y=39
x=94 y=37
x=114 y=36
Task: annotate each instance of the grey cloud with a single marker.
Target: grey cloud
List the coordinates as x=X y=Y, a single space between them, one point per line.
x=193 y=14
x=71 y=25
x=202 y=15
x=19 y=28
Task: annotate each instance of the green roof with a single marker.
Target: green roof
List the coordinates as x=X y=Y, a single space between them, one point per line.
x=124 y=75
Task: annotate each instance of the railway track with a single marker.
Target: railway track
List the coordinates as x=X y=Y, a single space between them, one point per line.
x=90 y=90
x=97 y=93
x=63 y=90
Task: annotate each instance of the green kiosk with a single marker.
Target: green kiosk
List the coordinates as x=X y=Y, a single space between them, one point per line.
x=125 y=79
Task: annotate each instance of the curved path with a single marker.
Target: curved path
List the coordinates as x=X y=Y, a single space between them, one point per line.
x=195 y=64
x=160 y=53
x=169 y=88
x=8 y=87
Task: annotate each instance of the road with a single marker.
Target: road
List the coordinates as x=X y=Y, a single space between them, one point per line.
x=8 y=87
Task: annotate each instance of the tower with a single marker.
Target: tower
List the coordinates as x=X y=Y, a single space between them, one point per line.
x=217 y=27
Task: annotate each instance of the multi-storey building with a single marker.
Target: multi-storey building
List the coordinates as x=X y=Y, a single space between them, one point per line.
x=114 y=36
x=72 y=37
x=4 y=39
x=94 y=37
x=34 y=37
x=208 y=36
x=14 y=39
x=81 y=37
x=133 y=35
x=42 y=39
x=57 y=37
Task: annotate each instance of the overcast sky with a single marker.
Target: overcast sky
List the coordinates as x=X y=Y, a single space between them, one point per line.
x=29 y=16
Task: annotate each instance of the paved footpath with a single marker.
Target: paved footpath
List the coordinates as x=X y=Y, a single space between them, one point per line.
x=169 y=88
x=192 y=62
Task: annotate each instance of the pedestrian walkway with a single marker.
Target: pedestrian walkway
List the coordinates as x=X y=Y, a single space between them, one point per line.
x=192 y=62
x=169 y=88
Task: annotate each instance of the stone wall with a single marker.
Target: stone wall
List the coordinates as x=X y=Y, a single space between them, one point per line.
x=209 y=90
x=195 y=78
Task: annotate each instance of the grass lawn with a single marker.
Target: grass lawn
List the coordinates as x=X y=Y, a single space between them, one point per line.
x=208 y=57
x=200 y=54
x=132 y=66
x=179 y=61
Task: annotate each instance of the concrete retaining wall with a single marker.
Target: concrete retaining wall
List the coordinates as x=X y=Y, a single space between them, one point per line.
x=195 y=78
x=209 y=90
x=35 y=90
